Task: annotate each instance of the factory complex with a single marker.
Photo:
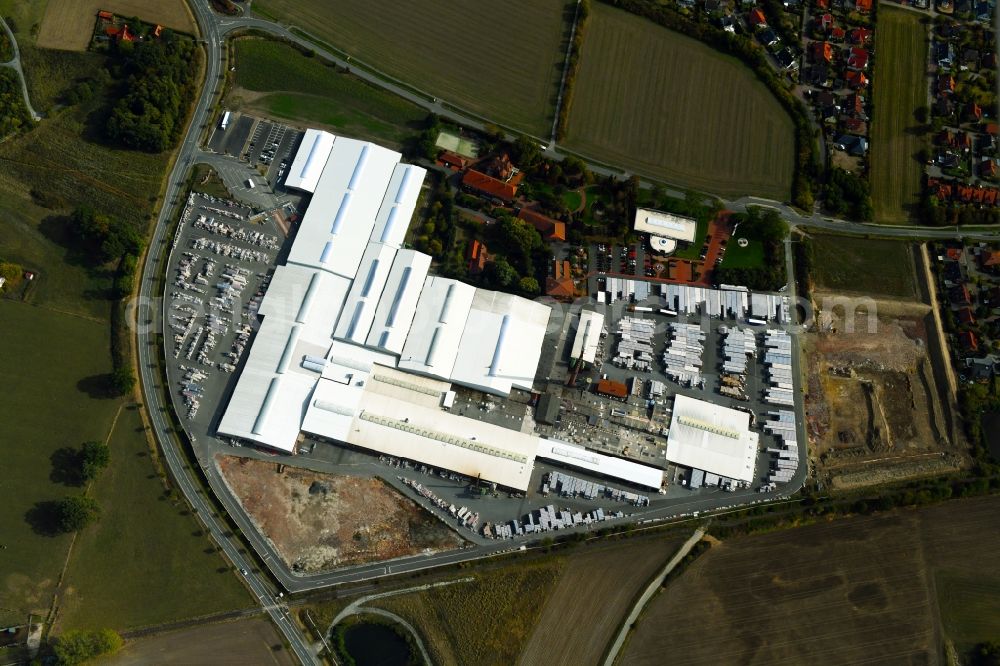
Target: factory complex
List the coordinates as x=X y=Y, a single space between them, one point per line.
x=359 y=344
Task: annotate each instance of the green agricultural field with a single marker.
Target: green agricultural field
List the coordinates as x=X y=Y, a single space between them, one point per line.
x=900 y=88
x=500 y=60
x=862 y=265
x=144 y=541
x=50 y=364
x=304 y=89
x=670 y=108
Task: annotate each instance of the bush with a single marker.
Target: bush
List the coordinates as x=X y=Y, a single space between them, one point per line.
x=76 y=647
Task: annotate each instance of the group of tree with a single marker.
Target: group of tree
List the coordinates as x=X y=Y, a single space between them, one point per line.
x=13 y=113
x=743 y=47
x=767 y=227
x=75 y=512
x=78 y=646
x=106 y=237
x=520 y=256
x=159 y=81
x=949 y=213
x=848 y=194
x=437 y=233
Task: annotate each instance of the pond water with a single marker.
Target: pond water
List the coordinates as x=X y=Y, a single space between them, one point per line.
x=372 y=644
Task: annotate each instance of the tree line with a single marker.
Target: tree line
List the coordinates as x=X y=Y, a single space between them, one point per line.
x=572 y=67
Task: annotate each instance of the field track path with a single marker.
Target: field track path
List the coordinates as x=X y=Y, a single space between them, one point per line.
x=15 y=64
x=651 y=589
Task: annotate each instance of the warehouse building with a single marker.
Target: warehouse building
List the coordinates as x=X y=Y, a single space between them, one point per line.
x=711 y=438
x=310 y=160
x=665 y=229
x=588 y=336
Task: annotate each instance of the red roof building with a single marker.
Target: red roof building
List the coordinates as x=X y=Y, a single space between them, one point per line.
x=968 y=341
x=105 y=15
x=612 y=389
x=478 y=257
x=856 y=79
x=757 y=18
x=965 y=316
x=990 y=259
x=560 y=285
x=857 y=58
x=549 y=229
x=821 y=51
x=837 y=34
x=451 y=160
x=863 y=6
x=859 y=35
x=826 y=22
x=822 y=4
x=992 y=129
x=480 y=183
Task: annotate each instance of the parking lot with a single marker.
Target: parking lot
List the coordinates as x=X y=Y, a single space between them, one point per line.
x=266 y=146
x=220 y=265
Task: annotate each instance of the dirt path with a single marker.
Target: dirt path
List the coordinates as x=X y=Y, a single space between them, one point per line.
x=936 y=310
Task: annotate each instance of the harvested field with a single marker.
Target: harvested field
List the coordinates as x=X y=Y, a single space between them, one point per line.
x=69 y=24
x=900 y=88
x=670 y=108
x=859 y=590
x=245 y=642
x=323 y=521
x=868 y=266
x=594 y=594
x=875 y=412
x=500 y=60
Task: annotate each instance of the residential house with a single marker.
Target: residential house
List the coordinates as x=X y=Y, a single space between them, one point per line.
x=821 y=52
x=122 y=34
x=855 y=79
x=855 y=105
x=974 y=112
x=984 y=12
x=959 y=295
x=837 y=34
x=855 y=126
x=952 y=272
x=822 y=4
x=857 y=58
x=944 y=53
x=825 y=22
x=970 y=59
x=945 y=84
x=853 y=145
x=824 y=98
x=560 y=284
x=767 y=37
x=728 y=24
x=817 y=75
x=990 y=261
x=991 y=128
x=786 y=59
x=478 y=257
x=756 y=19
x=968 y=342
x=550 y=229
x=863 y=6
x=965 y=316
x=859 y=36
x=988 y=169
x=948 y=160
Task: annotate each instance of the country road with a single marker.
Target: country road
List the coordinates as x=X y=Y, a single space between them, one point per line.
x=15 y=64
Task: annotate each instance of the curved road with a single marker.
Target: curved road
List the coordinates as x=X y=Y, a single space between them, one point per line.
x=15 y=64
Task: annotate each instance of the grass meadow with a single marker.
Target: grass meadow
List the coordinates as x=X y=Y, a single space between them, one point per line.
x=670 y=108
x=863 y=265
x=500 y=60
x=295 y=87
x=900 y=88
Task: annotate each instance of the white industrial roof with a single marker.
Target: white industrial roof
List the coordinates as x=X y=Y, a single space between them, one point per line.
x=713 y=438
x=398 y=303
x=441 y=439
x=432 y=343
x=588 y=334
x=579 y=457
x=665 y=225
x=397 y=205
x=341 y=216
x=270 y=397
x=308 y=297
x=309 y=160
x=359 y=308
x=501 y=343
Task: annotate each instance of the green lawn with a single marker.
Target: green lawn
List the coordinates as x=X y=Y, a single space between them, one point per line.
x=144 y=542
x=304 y=89
x=572 y=199
x=851 y=264
x=900 y=88
x=751 y=256
x=693 y=250
x=49 y=364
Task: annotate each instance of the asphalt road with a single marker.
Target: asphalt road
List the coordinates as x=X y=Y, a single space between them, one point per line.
x=146 y=346
x=15 y=64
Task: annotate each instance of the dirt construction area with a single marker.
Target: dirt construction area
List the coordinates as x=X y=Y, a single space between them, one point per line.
x=69 y=24
x=876 y=405
x=323 y=521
